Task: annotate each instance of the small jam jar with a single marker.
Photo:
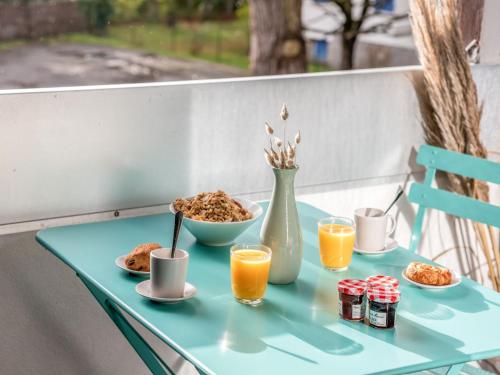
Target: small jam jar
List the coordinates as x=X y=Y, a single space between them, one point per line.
x=382 y=304
x=382 y=280
x=352 y=302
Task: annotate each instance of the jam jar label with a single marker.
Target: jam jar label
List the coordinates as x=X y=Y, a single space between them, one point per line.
x=378 y=319
x=355 y=310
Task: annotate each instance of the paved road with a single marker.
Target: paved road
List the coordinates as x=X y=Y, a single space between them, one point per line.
x=70 y=64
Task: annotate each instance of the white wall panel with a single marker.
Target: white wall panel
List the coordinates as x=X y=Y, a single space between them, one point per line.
x=76 y=151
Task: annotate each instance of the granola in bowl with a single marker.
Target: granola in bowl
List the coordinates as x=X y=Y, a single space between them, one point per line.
x=215 y=207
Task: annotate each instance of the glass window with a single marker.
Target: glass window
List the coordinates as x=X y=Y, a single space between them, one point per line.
x=48 y=43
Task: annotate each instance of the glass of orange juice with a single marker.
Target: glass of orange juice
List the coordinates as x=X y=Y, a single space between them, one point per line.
x=250 y=266
x=336 y=242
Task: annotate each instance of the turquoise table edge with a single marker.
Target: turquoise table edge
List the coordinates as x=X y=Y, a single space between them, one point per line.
x=94 y=286
x=97 y=290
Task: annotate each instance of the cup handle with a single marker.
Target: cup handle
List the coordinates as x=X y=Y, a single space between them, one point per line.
x=393 y=225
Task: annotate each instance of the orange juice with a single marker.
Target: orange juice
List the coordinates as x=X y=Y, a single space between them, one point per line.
x=336 y=244
x=249 y=272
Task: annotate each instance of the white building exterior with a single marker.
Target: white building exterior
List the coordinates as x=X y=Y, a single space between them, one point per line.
x=391 y=47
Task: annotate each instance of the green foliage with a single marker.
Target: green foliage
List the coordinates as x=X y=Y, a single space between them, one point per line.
x=203 y=9
x=159 y=10
x=150 y=10
x=243 y=11
x=6 y=45
x=126 y=10
x=315 y=67
x=98 y=13
x=180 y=41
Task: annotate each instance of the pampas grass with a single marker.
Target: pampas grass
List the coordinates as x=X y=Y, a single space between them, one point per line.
x=449 y=104
x=284 y=157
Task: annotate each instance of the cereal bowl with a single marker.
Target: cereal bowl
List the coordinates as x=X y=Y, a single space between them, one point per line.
x=221 y=233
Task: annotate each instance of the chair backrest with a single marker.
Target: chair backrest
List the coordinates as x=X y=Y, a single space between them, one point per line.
x=435 y=158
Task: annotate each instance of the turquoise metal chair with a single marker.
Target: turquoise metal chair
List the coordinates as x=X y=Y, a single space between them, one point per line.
x=426 y=196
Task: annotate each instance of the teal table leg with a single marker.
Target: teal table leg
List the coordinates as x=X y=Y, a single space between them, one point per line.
x=147 y=354
x=455 y=369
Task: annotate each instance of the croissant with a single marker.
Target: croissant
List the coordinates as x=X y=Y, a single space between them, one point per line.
x=428 y=274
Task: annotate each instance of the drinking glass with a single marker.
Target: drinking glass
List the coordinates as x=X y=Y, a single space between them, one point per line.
x=336 y=242
x=250 y=266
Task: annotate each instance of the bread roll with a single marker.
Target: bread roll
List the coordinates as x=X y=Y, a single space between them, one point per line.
x=138 y=259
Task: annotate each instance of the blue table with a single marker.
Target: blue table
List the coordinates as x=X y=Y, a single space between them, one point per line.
x=297 y=330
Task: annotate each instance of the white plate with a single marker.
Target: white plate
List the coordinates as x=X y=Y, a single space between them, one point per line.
x=144 y=289
x=456 y=279
x=120 y=262
x=390 y=246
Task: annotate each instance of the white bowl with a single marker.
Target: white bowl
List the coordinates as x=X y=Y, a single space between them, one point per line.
x=221 y=234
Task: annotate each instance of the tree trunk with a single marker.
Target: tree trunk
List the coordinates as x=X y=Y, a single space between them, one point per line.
x=276 y=42
x=152 y=11
x=351 y=29
x=27 y=19
x=229 y=8
x=348 y=44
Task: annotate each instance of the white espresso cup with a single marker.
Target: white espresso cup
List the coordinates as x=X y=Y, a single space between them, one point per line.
x=371 y=228
x=168 y=275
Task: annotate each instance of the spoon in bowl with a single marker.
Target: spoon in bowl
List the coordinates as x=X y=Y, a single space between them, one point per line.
x=177 y=226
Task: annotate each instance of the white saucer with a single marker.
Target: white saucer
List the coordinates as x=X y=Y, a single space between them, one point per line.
x=390 y=246
x=456 y=279
x=144 y=289
x=120 y=262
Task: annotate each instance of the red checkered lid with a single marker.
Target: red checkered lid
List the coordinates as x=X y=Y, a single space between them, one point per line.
x=382 y=280
x=383 y=294
x=352 y=287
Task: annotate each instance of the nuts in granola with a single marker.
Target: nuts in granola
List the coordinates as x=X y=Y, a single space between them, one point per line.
x=215 y=207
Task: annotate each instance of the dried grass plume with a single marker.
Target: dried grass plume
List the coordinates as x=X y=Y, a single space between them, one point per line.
x=449 y=103
x=285 y=156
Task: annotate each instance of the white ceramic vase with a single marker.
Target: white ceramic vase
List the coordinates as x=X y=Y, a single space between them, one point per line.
x=281 y=230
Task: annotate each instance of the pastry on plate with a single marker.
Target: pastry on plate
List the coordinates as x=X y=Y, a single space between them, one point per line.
x=138 y=259
x=428 y=274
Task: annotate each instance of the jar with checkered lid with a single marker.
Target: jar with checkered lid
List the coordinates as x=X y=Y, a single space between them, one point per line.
x=382 y=280
x=382 y=304
x=352 y=301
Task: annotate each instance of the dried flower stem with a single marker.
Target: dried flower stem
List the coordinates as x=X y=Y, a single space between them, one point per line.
x=269 y=159
x=449 y=103
x=285 y=155
x=269 y=129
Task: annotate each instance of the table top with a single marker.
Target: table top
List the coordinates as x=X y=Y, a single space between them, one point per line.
x=297 y=329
